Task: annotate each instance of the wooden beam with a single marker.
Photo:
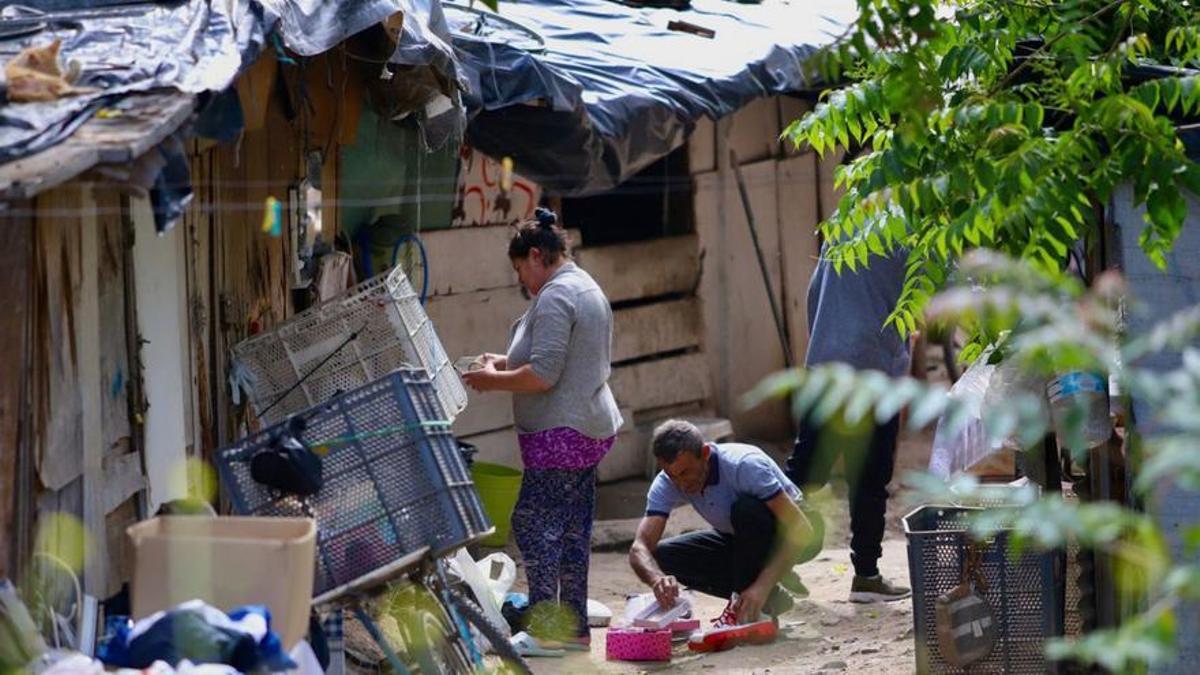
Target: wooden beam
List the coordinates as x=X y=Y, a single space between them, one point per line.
x=798 y=203
x=644 y=269
x=661 y=383
x=466 y=259
x=655 y=328
x=95 y=578
x=477 y=322
x=150 y=119
x=470 y=324
x=469 y=259
x=16 y=258
x=754 y=133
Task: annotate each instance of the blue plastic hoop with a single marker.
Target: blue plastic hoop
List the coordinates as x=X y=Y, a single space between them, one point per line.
x=424 y=262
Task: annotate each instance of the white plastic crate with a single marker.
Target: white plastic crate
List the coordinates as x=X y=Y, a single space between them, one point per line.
x=393 y=332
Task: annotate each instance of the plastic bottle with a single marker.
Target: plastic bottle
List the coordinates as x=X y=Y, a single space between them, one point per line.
x=1088 y=391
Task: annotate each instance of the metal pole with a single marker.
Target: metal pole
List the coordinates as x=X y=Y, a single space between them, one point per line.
x=780 y=325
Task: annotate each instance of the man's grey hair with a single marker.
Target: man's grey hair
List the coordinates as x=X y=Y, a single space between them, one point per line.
x=675 y=436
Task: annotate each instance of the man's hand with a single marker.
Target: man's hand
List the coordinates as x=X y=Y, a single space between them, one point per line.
x=750 y=603
x=666 y=590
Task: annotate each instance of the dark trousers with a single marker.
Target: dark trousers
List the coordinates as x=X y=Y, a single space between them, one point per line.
x=721 y=564
x=869 y=456
x=552 y=523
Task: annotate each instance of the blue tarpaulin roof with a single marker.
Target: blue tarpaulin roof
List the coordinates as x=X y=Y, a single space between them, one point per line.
x=620 y=90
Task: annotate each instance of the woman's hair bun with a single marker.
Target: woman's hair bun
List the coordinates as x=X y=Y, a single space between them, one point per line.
x=545 y=217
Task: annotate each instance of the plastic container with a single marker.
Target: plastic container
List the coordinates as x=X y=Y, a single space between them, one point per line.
x=227 y=562
x=1025 y=593
x=395 y=485
x=498 y=489
x=1088 y=392
x=393 y=331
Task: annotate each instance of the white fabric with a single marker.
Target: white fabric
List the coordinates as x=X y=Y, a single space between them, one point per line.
x=253 y=624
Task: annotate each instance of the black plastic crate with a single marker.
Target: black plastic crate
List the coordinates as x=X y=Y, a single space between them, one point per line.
x=394 y=481
x=1025 y=592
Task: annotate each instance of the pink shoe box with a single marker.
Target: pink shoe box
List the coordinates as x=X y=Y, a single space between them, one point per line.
x=638 y=644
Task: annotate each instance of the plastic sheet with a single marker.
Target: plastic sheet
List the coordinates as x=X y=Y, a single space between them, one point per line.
x=193 y=47
x=620 y=89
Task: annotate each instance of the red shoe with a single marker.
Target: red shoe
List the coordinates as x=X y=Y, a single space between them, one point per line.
x=727 y=633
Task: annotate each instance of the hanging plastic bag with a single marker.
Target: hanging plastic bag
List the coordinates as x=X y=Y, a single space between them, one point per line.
x=1011 y=382
x=956 y=452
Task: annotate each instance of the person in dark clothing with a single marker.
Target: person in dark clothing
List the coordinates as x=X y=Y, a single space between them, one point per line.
x=847 y=313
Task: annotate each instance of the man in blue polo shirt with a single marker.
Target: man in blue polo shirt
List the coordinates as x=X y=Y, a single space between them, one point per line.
x=759 y=531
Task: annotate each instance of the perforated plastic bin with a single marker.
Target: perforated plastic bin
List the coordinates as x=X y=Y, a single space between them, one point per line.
x=393 y=332
x=394 y=482
x=1025 y=592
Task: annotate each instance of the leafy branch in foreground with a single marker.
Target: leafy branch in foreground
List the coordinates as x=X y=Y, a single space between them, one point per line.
x=1003 y=128
x=1048 y=326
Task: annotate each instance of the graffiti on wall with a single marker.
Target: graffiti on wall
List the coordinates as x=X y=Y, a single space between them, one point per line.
x=485 y=197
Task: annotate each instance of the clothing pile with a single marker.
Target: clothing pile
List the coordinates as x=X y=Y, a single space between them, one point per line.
x=196 y=633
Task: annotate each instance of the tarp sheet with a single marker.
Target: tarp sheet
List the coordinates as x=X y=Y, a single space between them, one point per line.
x=193 y=47
x=196 y=47
x=310 y=27
x=620 y=89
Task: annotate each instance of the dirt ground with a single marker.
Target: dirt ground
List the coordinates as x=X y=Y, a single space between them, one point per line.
x=824 y=633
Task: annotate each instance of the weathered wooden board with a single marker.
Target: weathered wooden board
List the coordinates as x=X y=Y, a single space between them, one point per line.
x=487 y=411
x=798 y=219
x=57 y=414
x=656 y=328
x=16 y=263
x=702 y=147
x=87 y=330
x=466 y=259
x=754 y=134
x=627 y=458
x=830 y=194
x=656 y=384
x=114 y=352
x=791 y=109
x=474 y=323
x=149 y=119
x=741 y=341
x=644 y=269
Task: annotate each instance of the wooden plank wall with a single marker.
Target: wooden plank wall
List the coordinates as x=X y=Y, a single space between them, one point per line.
x=16 y=262
x=741 y=342
x=81 y=379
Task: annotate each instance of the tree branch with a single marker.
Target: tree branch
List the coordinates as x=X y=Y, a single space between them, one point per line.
x=1050 y=43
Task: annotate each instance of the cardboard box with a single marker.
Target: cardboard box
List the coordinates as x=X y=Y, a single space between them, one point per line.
x=227 y=562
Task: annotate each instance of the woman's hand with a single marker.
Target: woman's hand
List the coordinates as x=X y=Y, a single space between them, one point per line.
x=499 y=361
x=482 y=379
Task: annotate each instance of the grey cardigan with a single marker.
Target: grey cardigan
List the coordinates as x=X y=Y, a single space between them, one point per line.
x=566 y=336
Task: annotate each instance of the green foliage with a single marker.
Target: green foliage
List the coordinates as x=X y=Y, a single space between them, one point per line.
x=1003 y=127
x=1049 y=324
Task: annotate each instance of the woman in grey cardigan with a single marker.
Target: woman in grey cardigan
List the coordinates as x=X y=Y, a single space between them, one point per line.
x=557 y=367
